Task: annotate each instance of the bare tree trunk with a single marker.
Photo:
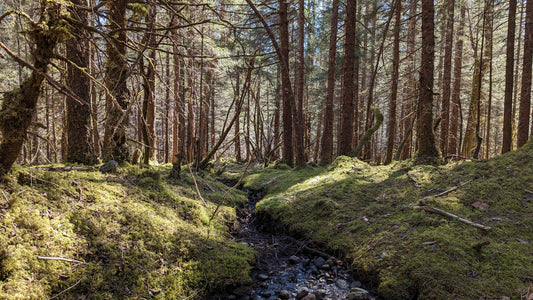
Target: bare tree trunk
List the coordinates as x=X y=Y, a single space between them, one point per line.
x=447 y=78
x=509 y=70
x=326 y=154
x=454 y=145
x=391 y=139
x=427 y=149
x=288 y=153
x=525 y=91
x=299 y=128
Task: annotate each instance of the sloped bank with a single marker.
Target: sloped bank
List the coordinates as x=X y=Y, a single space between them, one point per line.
x=365 y=214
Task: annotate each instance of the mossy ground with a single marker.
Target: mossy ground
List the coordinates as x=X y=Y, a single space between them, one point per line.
x=140 y=235
x=365 y=214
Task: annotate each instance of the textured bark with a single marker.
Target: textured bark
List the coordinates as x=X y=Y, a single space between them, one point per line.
x=326 y=151
x=447 y=78
x=299 y=128
x=238 y=114
x=509 y=70
x=148 y=106
x=525 y=91
x=391 y=139
x=19 y=105
x=117 y=73
x=453 y=145
x=427 y=149
x=347 y=110
x=288 y=97
x=80 y=147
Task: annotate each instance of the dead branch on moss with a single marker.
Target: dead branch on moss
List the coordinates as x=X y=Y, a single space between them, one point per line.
x=231 y=189
x=66 y=290
x=450 y=215
x=60 y=258
x=450 y=190
x=196 y=186
x=478 y=246
x=416 y=184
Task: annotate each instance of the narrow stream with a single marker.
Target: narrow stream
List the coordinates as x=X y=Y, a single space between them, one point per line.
x=287 y=268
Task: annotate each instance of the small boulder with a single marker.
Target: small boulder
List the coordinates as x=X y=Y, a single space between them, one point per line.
x=319 y=262
x=320 y=294
x=342 y=284
x=358 y=294
x=262 y=277
x=109 y=167
x=294 y=259
x=302 y=292
x=309 y=297
x=284 y=294
x=355 y=284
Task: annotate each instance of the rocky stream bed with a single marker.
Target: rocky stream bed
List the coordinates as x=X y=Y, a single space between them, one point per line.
x=287 y=268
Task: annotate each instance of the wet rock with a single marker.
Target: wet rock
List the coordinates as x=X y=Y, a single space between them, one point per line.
x=355 y=284
x=284 y=295
x=309 y=297
x=243 y=290
x=319 y=262
x=314 y=270
x=342 y=284
x=302 y=292
x=325 y=267
x=109 y=167
x=358 y=294
x=320 y=294
x=294 y=260
x=262 y=277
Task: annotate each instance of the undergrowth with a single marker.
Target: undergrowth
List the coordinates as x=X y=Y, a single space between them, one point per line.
x=365 y=214
x=137 y=234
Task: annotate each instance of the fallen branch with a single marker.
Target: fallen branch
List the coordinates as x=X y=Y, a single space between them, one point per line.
x=447 y=214
x=450 y=190
x=66 y=290
x=196 y=186
x=368 y=134
x=478 y=246
x=60 y=258
x=416 y=184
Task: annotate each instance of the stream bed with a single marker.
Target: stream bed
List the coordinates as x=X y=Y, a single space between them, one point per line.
x=286 y=268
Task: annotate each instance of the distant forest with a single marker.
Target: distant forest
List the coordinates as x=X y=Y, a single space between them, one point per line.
x=163 y=81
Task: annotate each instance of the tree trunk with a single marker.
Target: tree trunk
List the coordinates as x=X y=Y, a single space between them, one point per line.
x=347 y=110
x=447 y=78
x=117 y=73
x=509 y=70
x=326 y=154
x=391 y=139
x=299 y=128
x=288 y=153
x=525 y=91
x=427 y=149
x=453 y=145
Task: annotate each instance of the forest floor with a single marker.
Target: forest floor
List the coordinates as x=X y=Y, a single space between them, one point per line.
x=72 y=232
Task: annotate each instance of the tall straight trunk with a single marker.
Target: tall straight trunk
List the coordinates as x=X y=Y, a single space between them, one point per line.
x=148 y=107
x=94 y=106
x=447 y=78
x=190 y=140
x=391 y=139
x=427 y=149
x=517 y=73
x=166 y=121
x=525 y=91
x=347 y=110
x=277 y=117
x=509 y=70
x=80 y=148
x=299 y=128
x=117 y=73
x=237 y=114
x=489 y=102
x=453 y=145
x=326 y=151
x=288 y=97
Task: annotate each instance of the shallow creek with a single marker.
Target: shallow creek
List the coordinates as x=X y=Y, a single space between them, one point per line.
x=289 y=269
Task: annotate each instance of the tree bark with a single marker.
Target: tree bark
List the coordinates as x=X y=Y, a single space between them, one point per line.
x=427 y=149
x=287 y=95
x=148 y=107
x=453 y=144
x=391 y=139
x=525 y=91
x=447 y=78
x=299 y=128
x=326 y=150
x=509 y=71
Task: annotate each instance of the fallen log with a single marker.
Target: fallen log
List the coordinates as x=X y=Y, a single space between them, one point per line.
x=450 y=215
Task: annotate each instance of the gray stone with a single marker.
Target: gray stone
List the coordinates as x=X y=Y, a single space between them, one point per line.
x=109 y=167
x=314 y=270
x=358 y=294
x=302 y=292
x=262 y=277
x=284 y=295
x=342 y=284
x=294 y=259
x=320 y=294
x=319 y=262
x=325 y=267
x=309 y=297
x=355 y=284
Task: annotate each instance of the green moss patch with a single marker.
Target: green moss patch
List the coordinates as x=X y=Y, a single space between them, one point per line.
x=365 y=214
x=137 y=233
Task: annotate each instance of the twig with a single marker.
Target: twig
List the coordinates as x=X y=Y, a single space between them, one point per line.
x=447 y=214
x=416 y=184
x=228 y=191
x=450 y=190
x=5 y=196
x=66 y=290
x=210 y=187
x=478 y=246
x=196 y=186
x=60 y=258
